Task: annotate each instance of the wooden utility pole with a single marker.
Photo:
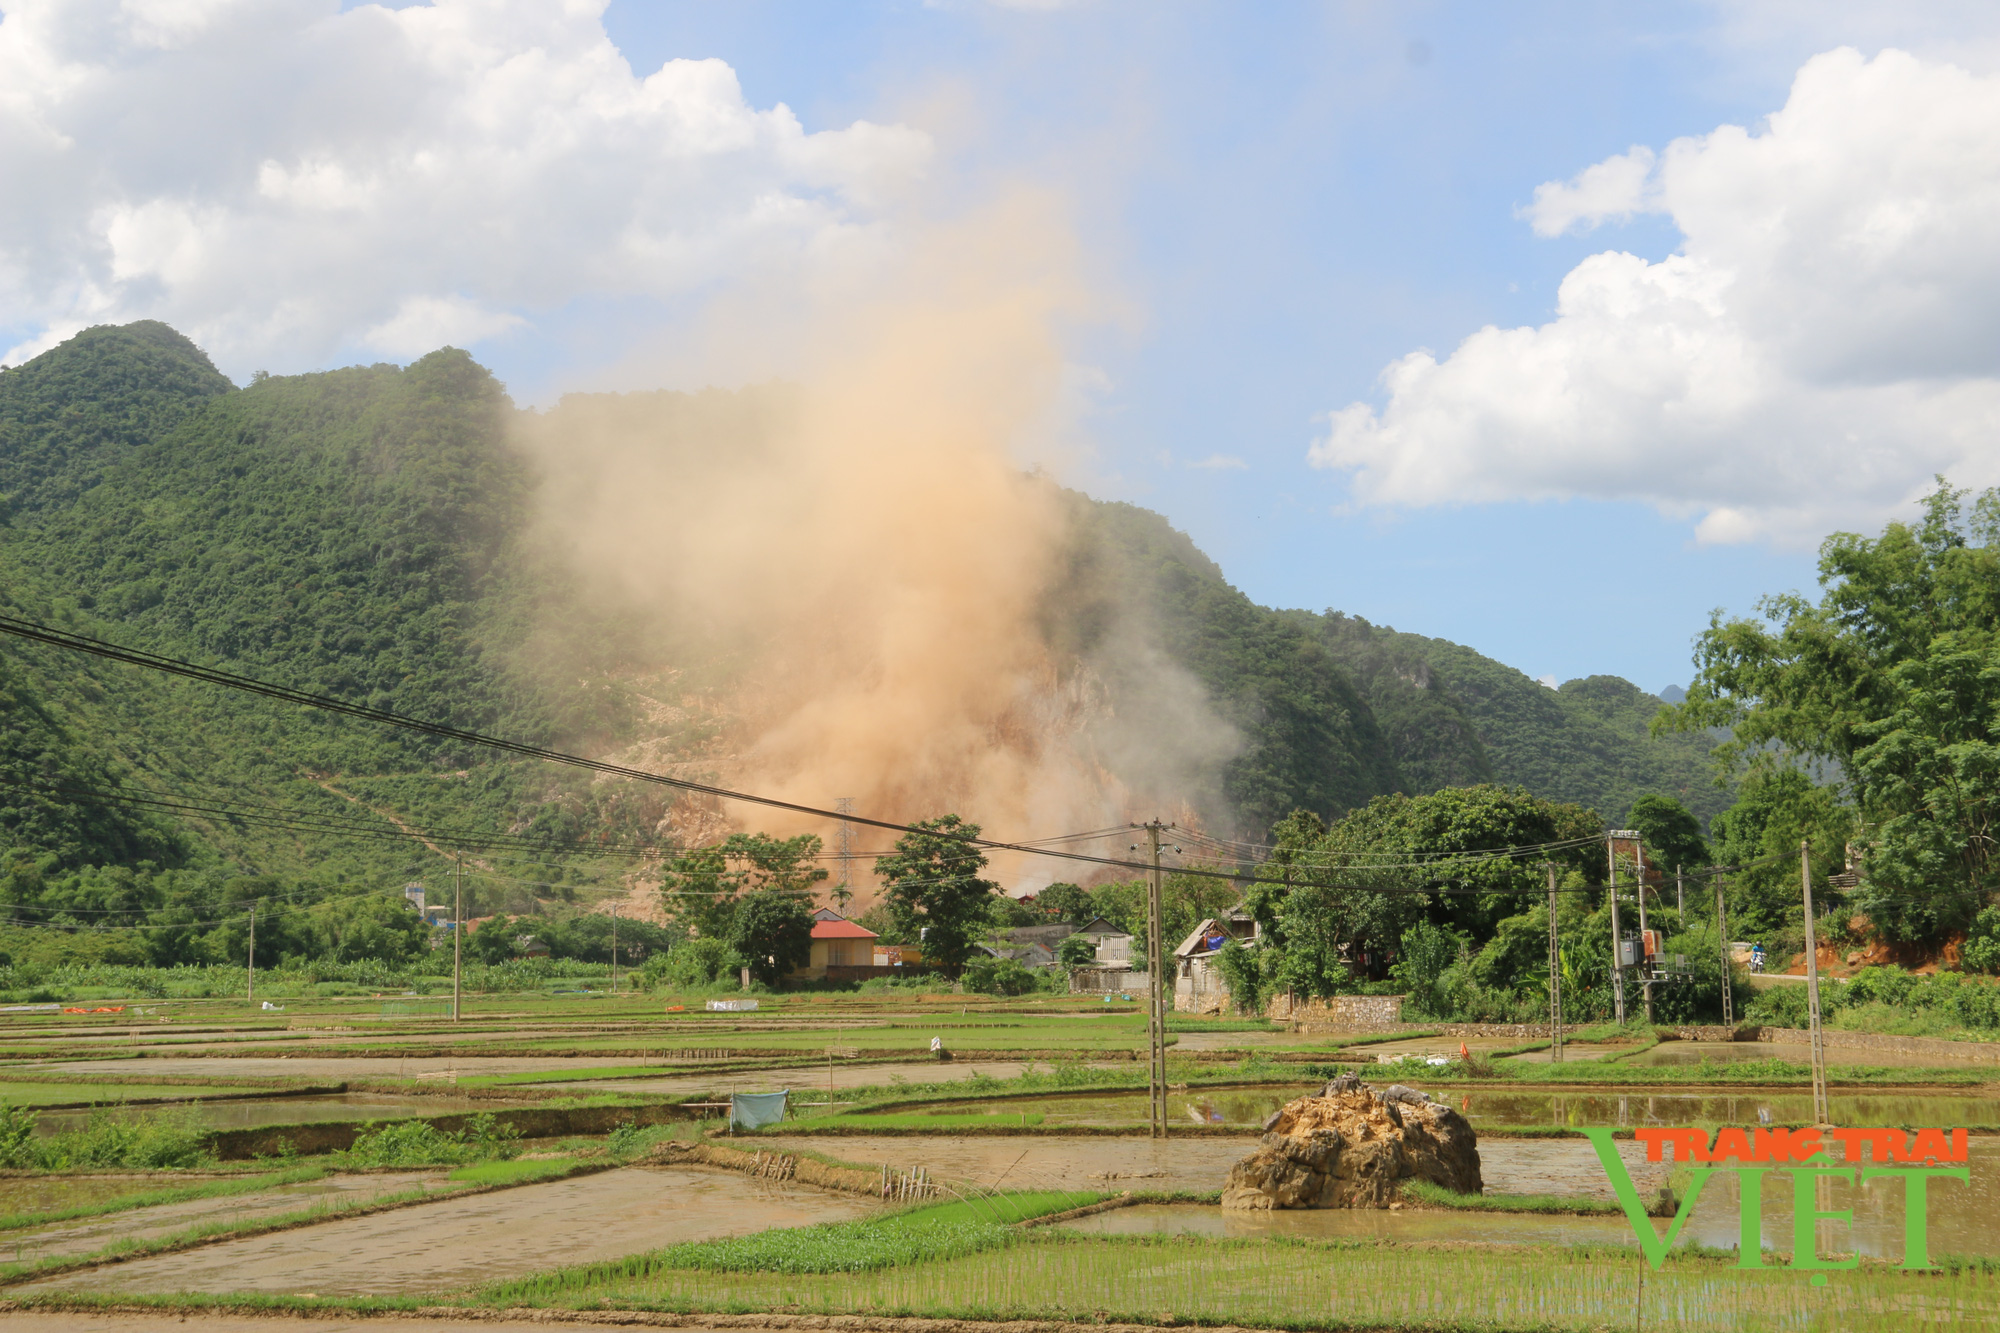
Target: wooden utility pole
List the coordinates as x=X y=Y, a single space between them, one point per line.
x=457 y=929
x=250 y=987
x=1722 y=934
x=1156 y=1016
x=1555 y=976
x=1812 y=988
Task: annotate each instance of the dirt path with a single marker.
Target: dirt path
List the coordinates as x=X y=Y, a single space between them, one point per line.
x=85 y=1235
x=463 y=1242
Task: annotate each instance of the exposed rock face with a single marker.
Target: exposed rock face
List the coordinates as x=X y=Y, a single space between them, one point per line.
x=1349 y=1146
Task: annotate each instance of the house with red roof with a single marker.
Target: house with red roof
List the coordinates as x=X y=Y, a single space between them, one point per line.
x=838 y=943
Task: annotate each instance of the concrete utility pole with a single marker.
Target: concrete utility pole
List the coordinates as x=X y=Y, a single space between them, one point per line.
x=1680 y=894
x=1722 y=934
x=1645 y=957
x=614 y=948
x=1156 y=1015
x=250 y=989
x=1617 y=972
x=457 y=929
x=1555 y=976
x=1820 y=1116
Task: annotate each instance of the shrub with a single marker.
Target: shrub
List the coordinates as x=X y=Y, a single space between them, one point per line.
x=420 y=1143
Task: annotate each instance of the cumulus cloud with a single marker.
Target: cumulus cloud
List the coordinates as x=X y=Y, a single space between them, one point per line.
x=286 y=182
x=1825 y=340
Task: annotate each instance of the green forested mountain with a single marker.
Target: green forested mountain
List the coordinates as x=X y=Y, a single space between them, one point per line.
x=365 y=533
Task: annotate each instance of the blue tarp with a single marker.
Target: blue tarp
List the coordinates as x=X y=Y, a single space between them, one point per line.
x=749 y=1110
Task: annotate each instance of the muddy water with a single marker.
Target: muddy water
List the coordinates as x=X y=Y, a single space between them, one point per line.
x=1728 y=1052
x=804 y=1081
x=253 y=1113
x=50 y=1193
x=81 y=1237
x=462 y=1242
x=1054 y=1163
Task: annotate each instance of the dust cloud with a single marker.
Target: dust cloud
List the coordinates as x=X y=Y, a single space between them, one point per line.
x=861 y=555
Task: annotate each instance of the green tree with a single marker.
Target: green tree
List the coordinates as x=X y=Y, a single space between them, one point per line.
x=1893 y=676
x=772 y=930
x=933 y=890
x=1066 y=903
x=1671 y=833
x=702 y=888
x=1077 y=951
x=1760 y=835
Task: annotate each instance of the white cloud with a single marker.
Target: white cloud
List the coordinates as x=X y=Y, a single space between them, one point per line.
x=1826 y=339
x=1221 y=463
x=286 y=182
x=1548 y=682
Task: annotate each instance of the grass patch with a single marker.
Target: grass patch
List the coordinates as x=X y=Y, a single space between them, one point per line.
x=1423 y=1191
x=1047 y=1273
x=150 y=1141
x=513 y=1172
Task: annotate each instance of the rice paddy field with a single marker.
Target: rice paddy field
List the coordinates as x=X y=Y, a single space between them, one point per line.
x=565 y=1155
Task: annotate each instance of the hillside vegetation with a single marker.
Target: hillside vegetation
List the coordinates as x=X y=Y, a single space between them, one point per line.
x=366 y=533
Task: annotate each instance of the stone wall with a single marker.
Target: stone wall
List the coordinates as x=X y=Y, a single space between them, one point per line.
x=1113 y=980
x=1341 y=1013
x=1980 y=1051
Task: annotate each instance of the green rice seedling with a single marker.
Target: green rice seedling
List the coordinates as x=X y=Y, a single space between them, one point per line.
x=513 y=1172
x=1423 y=1191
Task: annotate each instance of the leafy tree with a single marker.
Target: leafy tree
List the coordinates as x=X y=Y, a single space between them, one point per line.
x=1671 y=833
x=1077 y=951
x=1066 y=903
x=1243 y=972
x=772 y=930
x=1893 y=676
x=373 y=926
x=932 y=887
x=998 y=976
x=1428 y=952
x=494 y=940
x=1760 y=834
x=702 y=888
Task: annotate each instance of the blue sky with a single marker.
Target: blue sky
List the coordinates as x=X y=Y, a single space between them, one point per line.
x=1286 y=198
x=1296 y=195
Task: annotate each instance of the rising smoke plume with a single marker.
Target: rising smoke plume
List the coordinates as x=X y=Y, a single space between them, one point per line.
x=867 y=542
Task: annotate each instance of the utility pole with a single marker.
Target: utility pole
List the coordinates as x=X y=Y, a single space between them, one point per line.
x=614 y=949
x=1156 y=1016
x=1680 y=894
x=1722 y=935
x=457 y=929
x=843 y=850
x=1820 y=1116
x=1617 y=972
x=1645 y=958
x=1555 y=976
x=250 y=989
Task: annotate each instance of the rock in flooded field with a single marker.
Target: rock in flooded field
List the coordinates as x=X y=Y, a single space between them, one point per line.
x=1349 y=1146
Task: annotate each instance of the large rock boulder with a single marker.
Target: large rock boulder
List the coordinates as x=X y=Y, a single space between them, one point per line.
x=1349 y=1146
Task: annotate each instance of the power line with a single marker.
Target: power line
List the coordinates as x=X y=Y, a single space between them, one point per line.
x=39 y=633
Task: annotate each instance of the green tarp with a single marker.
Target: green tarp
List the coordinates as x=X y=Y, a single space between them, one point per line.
x=748 y=1110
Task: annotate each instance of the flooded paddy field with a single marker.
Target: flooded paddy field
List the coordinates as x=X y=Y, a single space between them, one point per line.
x=1249 y=1106
x=454 y=1243
x=255 y=1113
x=86 y=1235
